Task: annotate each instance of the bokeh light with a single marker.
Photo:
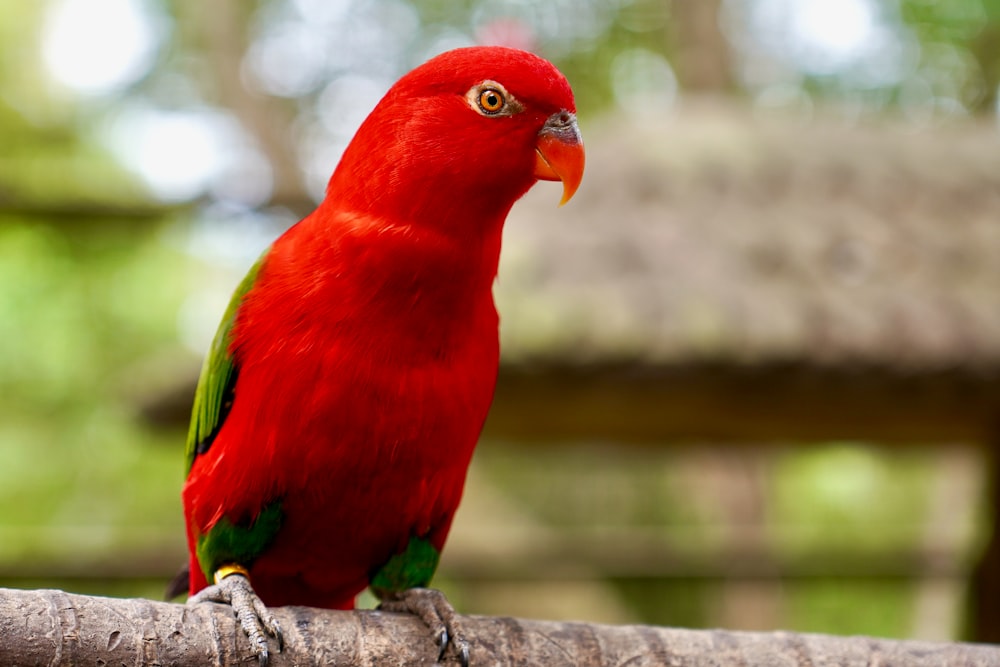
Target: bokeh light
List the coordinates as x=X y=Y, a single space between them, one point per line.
x=96 y=47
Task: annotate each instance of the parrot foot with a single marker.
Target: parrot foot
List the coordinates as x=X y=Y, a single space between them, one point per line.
x=432 y=607
x=256 y=620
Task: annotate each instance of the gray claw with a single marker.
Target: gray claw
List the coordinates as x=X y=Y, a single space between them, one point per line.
x=442 y=644
x=431 y=606
x=254 y=618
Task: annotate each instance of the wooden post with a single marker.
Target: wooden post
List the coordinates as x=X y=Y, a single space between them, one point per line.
x=984 y=585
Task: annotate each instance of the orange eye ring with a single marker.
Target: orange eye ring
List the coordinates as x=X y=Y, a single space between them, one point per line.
x=491 y=101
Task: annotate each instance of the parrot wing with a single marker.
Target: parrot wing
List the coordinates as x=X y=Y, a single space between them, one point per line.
x=214 y=396
x=224 y=542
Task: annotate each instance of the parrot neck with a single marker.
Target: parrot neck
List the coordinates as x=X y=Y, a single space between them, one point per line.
x=467 y=218
x=406 y=265
x=458 y=237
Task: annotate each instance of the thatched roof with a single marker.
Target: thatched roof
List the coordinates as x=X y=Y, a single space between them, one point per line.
x=714 y=234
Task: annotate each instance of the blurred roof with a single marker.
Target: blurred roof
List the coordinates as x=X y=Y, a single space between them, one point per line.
x=716 y=234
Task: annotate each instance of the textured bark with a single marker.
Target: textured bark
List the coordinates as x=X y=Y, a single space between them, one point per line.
x=56 y=628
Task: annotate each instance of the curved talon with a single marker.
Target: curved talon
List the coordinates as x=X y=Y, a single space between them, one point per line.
x=270 y=623
x=442 y=644
x=256 y=620
x=433 y=608
x=278 y=635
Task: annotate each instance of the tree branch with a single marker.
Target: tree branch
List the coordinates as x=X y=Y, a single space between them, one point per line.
x=50 y=627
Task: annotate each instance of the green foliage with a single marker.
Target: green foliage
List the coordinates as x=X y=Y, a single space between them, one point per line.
x=674 y=603
x=79 y=303
x=953 y=58
x=873 y=607
x=955 y=21
x=850 y=494
x=81 y=308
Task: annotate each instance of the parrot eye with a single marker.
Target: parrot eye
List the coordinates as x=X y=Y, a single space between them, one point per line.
x=491 y=101
x=489 y=98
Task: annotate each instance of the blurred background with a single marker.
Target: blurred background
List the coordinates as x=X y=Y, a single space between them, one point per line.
x=751 y=373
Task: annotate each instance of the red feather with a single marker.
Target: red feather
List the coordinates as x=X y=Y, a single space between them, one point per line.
x=367 y=348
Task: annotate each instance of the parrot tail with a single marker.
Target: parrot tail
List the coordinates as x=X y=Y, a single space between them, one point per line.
x=179 y=585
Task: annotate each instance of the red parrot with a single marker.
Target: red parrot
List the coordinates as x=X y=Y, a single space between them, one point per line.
x=342 y=398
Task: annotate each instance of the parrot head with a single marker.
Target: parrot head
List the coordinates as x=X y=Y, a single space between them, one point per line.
x=484 y=123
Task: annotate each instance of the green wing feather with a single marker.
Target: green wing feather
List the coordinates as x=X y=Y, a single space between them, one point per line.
x=227 y=542
x=412 y=568
x=214 y=395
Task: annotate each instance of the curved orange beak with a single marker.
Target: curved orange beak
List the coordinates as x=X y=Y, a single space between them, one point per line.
x=559 y=154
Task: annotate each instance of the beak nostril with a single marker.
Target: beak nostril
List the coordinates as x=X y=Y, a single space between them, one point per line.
x=561 y=120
